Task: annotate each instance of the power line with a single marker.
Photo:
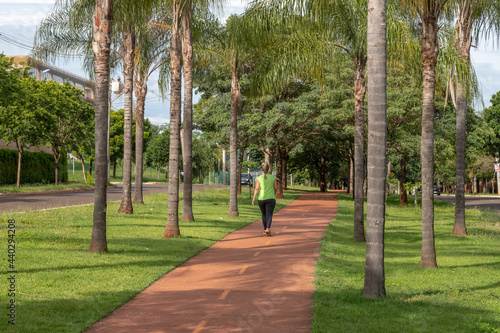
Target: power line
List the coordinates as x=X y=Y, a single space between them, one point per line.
x=13 y=41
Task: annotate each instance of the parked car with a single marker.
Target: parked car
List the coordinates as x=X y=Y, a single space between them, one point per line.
x=435 y=190
x=246 y=179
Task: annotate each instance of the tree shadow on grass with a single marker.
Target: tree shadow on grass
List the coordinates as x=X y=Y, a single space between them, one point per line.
x=348 y=311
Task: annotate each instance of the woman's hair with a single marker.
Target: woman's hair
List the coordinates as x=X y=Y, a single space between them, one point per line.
x=265 y=169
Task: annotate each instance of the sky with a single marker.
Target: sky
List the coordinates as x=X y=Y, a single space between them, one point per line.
x=18 y=21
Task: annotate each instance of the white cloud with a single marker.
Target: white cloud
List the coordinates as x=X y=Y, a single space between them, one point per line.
x=23 y=14
x=28 y=1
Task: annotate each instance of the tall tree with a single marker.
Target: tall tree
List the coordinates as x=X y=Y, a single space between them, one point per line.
x=232 y=46
x=172 y=225
x=187 y=154
x=151 y=54
x=102 y=28
x=374 y=286
x=19 y=110
x=65 y=118
x=429 y=12
x=128 y=35
x=471 y=18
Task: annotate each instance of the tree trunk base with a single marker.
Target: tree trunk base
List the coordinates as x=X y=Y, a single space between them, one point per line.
x=97 y=249
x=233 y=213
x=428 y=264
x=126 y=208
x=171 y=234
x=459 y=231
x=138 y=202
x=187 y=217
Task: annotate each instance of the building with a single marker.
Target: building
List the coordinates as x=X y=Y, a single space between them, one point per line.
x=41 y=70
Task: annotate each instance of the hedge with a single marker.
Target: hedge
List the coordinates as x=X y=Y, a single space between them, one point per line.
x=36 y=167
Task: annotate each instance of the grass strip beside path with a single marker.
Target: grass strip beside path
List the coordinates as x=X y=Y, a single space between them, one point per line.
x=461 y=295
x=60 y=287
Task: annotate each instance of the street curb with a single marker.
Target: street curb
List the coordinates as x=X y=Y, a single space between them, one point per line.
x=68 y=190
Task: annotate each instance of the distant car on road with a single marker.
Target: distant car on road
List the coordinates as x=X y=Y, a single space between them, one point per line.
x=435 y=190
x=246 y=179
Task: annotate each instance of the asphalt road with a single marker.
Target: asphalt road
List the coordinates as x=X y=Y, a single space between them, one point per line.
x=23 y=203
x=479 y=201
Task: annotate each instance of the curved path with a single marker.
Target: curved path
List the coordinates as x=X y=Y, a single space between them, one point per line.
x=246 y=282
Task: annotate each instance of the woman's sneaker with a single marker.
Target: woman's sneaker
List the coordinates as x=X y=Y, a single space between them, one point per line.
x=267 y=232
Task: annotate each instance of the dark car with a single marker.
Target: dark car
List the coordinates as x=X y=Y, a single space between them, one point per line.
x=246 y=179
x=435 y=190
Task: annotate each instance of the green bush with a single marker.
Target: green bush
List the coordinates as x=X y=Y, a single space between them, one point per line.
x=89 y=178
x=36 y=167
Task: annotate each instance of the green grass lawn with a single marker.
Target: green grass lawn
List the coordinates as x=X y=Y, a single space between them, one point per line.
x=462 y=295
x=60 y=287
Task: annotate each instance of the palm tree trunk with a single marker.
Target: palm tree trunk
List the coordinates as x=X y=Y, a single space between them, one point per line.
x=462 y=44
x=374 y=286
x=233 y=159
x=359 y=120
x=101 y=46
x=430 y=50
x=140 y=89
x=187 y=157
x=128 y=76
x=459 y=227
x=172 y=226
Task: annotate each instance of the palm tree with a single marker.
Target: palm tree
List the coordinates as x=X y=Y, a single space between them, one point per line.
x=429 y=12
x=102 y=28
x=377 y=136
x=128 y=33
x=471 y=18
x=232 y=46
x=187 y=154
x=150 y=55
x=172 y=226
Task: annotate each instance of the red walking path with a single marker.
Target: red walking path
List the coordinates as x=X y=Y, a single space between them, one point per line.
x=246 y=282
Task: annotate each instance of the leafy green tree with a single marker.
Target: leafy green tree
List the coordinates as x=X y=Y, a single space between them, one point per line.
x=492 y=115
x=19 y=110
x=66 y=116
x=157 y=149
x=116 y=137
x=404 y=108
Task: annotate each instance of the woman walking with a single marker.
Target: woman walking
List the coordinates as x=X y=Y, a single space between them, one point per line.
x=266 y=189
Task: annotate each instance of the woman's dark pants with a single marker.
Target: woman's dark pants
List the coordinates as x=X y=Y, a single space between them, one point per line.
x=267 y=209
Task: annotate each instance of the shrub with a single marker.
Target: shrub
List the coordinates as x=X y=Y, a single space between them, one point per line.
x=36 y=167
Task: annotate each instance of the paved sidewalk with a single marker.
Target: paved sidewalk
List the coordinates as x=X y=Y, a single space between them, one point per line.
x=246 y=282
